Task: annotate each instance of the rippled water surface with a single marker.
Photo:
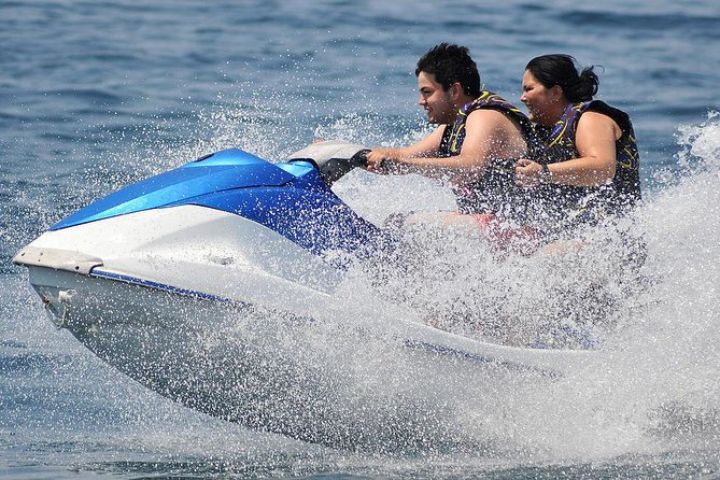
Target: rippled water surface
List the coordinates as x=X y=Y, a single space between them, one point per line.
x=94 y=95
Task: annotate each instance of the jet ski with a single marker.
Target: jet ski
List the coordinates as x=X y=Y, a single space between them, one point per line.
x=219 y=285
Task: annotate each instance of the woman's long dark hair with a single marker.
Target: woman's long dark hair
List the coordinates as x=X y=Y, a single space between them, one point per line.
x=559 y=69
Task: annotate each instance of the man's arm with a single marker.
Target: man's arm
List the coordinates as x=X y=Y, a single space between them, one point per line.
x=426 y=147
x=485 y=137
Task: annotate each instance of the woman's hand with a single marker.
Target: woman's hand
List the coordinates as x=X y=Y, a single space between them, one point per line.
x=527 y=173
x=375 y=159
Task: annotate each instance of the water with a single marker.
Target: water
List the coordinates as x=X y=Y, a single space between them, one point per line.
x=94 y=95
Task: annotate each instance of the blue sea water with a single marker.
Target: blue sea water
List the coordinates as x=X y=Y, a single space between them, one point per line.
x=94 y=95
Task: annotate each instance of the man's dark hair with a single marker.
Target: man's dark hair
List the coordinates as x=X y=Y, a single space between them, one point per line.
x=449 y=64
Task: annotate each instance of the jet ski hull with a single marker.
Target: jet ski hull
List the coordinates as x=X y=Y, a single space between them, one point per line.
x=230 y=301
x=342 y=384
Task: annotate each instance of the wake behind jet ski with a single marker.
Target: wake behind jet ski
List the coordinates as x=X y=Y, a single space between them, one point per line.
x=215 y=285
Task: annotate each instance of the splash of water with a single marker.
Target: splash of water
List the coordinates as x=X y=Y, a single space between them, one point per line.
x=657 y=385
x=656 y=388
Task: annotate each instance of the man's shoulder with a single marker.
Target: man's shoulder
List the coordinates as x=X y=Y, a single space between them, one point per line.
x=488 y=115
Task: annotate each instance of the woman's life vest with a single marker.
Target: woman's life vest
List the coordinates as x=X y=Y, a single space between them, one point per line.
x=568 y=204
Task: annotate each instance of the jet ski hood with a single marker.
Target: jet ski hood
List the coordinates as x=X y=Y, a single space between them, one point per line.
x=292 y=198
x=211 y=174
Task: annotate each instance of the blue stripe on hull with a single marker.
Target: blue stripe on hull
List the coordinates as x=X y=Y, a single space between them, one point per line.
x=99 y=273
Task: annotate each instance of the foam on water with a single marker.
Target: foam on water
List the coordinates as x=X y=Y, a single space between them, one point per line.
x=98 y=95
x=656 y=387
x=656 y=390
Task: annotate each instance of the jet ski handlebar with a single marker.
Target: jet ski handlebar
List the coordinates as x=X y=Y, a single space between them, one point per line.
x=336 y=158
x=333 y=158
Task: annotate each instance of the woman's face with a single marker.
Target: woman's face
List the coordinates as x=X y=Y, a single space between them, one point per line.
x=545 y=105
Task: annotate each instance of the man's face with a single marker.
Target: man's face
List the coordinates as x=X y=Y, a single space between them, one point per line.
x=437 y=102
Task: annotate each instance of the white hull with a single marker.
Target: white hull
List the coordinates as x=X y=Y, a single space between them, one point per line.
x=267 y=351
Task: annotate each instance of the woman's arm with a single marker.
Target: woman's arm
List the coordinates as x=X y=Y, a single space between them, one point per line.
x=595 y=141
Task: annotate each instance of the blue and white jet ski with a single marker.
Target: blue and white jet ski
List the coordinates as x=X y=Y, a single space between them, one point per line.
x=216 y=285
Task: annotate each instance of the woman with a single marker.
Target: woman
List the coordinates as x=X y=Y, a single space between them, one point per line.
x=585 y=162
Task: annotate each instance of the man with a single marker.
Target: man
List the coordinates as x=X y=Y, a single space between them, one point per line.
x=479 y=134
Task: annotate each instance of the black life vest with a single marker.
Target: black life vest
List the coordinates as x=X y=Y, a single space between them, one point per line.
x=587 y=204
x=495 y=191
